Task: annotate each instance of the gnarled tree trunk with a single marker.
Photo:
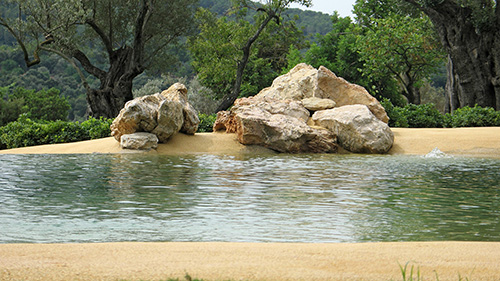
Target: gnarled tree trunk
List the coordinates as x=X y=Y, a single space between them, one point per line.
x=474 y=55
x=116 y=85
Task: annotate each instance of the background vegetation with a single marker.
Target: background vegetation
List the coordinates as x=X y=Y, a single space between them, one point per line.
x=390 y=48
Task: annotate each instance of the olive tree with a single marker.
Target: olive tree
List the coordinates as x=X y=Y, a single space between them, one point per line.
x=114 y=41
x=469 y=31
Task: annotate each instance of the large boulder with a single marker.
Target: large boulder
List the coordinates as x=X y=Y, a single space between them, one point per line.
x=162 y=114
x=276 y=124
x=357 y=129
x=304 y=81
x=178 y=93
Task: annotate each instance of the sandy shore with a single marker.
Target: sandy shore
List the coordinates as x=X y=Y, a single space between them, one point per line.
x=261 y=261
x=249 y=261
x=481 y=142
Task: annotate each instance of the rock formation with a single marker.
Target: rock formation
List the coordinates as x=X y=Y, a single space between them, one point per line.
x=304 y=81
x=279 y=116
x=356 y=128
x=276 y=124
x=162 y=114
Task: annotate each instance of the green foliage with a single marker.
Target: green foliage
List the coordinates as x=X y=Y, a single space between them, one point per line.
x=403 y=48
x=473 y=117
x=97 y=128
x=423 y=116
x=206 y=122
x=414 y=116
x=9 y=109
x=43 y=105
x=395 y=113
x=427 y=116
x=27 y=132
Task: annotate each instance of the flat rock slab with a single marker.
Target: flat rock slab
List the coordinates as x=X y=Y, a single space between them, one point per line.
x=141 y=141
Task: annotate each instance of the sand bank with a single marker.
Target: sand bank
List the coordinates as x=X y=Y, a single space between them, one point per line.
x=249 y=261
x=482 y=142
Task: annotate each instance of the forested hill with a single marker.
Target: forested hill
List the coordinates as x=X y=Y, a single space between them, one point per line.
x=310 y=21
x=55 y=72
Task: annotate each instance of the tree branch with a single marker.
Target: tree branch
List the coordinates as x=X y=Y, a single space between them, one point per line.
x=105 y=39
x=88 y=66
x=140 y=27
x=36 y=55
x=73 y=64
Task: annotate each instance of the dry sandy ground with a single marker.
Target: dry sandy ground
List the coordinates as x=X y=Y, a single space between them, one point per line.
x=482 y=142
x=249 y=261
x=262 y=261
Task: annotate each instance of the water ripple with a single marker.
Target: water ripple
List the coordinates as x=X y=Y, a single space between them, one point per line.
x=271 y=198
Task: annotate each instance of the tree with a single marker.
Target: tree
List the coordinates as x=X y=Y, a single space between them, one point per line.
x=132 y=36
x=47 y=105
x=402 y=47
x=224 y=43
x=470 y=34
x=338 y=51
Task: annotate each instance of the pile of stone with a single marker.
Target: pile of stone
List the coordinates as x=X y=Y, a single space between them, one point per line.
x=147 y=120
x=310 y=110
x=305 y=110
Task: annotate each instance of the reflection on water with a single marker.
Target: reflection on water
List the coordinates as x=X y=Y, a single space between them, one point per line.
x=271 y=198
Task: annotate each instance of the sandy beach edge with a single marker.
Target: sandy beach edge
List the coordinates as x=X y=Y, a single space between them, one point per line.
x=261 y=261
x=250 y=261
x=478 y=142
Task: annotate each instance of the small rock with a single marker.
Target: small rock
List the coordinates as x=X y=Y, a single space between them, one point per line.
x=315 y=104
x=141 y=141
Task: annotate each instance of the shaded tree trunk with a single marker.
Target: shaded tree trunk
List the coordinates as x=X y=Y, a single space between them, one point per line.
x=235 y=92
x=474 y=56
x=116 y=85
x=411 y=92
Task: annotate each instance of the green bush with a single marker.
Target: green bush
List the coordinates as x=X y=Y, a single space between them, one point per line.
x=395 y=113
x=42 y=105
x=97 y=128
x=423 y=116
x=206 y=122
x=427 y=116
x=27 y=132
x=473 y=117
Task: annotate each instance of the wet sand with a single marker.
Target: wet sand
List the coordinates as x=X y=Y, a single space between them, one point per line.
x=262 y=261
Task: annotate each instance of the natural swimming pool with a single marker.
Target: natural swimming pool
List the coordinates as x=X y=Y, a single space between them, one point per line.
x=250 y=198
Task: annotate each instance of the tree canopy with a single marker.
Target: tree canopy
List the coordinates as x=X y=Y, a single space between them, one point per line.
x=132 y=36
x=224 y=48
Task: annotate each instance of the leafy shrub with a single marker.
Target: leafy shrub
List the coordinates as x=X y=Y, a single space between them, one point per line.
x=395 y=113
x=10 y=110
x=427 y=116
x=206 y=122
x=27 y=132
x=473 y=117
x=42 y=105
x=97 y=128
x=423 y=116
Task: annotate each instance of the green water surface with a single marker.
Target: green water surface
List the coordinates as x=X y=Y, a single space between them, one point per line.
x=262 y=198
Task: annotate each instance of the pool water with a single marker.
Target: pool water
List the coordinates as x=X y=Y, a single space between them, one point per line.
x=247 y=198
